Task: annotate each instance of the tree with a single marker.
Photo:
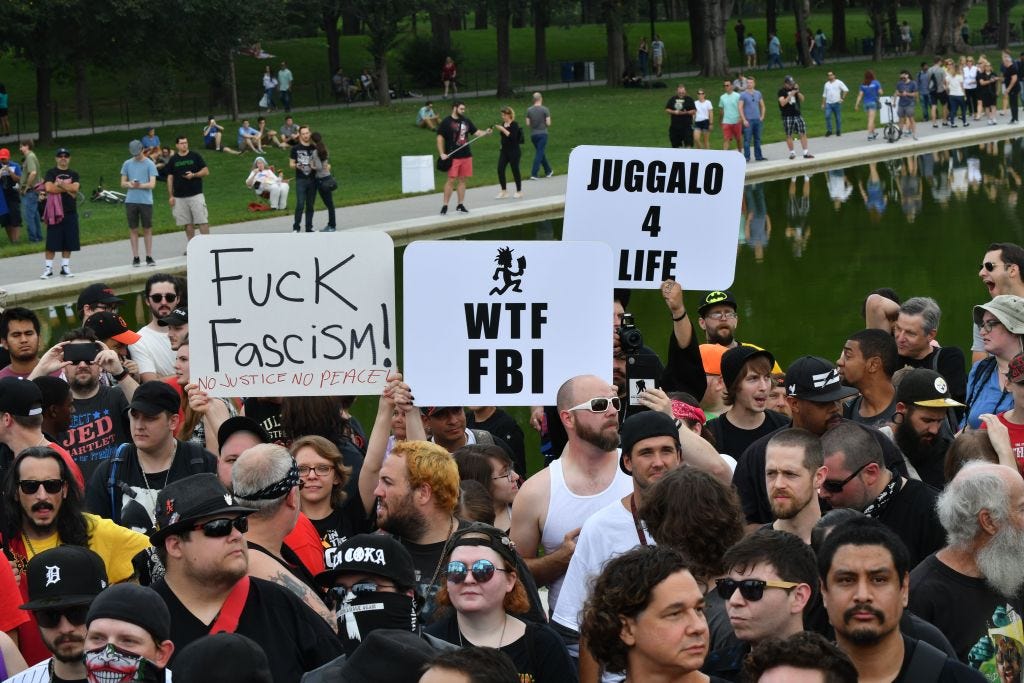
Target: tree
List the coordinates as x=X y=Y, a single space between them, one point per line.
x=802 y=10
x=502 y=21
x=944 y=20
x=541 y=17
x=839 y=27
x=715 y=15
x=381 y=19
x=615 y=33
x=330 y=13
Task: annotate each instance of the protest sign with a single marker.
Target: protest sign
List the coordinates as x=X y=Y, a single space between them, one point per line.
x=504 y=323
x=291 y=315
x=666 y=213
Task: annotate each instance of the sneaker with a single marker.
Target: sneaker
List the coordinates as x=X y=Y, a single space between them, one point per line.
x=913 y=135
x=444 y=209
x=550 y=173
x=533 y=177
x=808 y=155
x=329 y=228
x=461 y=209
x=952 y=125
x=992 y=122
x=136 y=262
x=517 y=195
x=502 y=195
x=792 y=155
x=872 y=136
x=935 y=125
x=761 y=159
x=966 y=124
x=65 y=271
x=47 y=273
x=838 y=134
x=150 y=261
x=828 y=133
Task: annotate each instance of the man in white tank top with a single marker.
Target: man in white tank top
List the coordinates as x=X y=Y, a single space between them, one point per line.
x=553 y=504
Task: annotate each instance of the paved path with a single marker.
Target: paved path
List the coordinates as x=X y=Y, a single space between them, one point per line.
x=416 y=217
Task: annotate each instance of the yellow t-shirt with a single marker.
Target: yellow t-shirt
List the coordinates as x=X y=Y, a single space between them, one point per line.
x=115 y=544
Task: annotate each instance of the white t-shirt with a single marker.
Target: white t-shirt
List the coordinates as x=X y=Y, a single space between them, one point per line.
x=703 y=110
x=834 y=91
x=839 y=188
x=970 y=77
x=153 y=352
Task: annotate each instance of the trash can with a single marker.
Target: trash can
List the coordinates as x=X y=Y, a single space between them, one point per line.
x=567 y=72
x=588 y=71
x=577 y=71
x=418 y=174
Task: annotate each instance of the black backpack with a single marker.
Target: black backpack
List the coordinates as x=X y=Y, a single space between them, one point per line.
x=196 y=465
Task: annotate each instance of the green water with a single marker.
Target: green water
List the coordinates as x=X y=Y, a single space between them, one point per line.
x=921 y=226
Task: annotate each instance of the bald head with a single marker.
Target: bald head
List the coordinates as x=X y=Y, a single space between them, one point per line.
x=257 y=469
x=577 y=389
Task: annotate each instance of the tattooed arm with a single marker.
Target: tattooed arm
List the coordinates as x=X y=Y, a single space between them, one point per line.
x=312 y=600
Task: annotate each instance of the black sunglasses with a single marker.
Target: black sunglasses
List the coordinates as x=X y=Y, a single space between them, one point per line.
x=752 y=590
x=50 y=618
x=339 y=593
x=30 y=486
x=169 y=298
x=482 y=571
x=219 y=528
x=989 y=266
x=837 y=486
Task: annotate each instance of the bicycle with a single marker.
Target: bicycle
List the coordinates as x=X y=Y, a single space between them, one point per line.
x=891 y=130
x=109 y=196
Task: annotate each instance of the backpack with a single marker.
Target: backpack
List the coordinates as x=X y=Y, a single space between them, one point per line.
x=933 y=83
x=196 y=464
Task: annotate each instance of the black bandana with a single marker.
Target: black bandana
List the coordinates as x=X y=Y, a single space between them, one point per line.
x=361 y=613
x=277 y=489
x=884 y=498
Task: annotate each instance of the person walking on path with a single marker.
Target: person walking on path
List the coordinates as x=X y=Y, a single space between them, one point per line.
x=538 y=118
x=61 y=214
x=657 y=54
x=448 y=76
x=284 y=86
x=1011 y=81
x=703 y=121
x=269 y=85
x=511 y=139
x=305 y=179
x=832 y=103
x=138 y=177
x=870 y=92
x=453 y=143
x=642 y=55
x=750 y=50
x=774 y=51
x=324 y=180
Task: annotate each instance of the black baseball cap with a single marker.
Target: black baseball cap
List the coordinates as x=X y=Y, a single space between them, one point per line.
x=372 y=554
x=20 y=397
x=177 y=317
x=182 y=502
x=240 y=423
x=109 y=325
x=734 y=358
x=155 y=397
x=925 y=388
x=65 y=576
x=98 y=293
x=714 y=299
x=644 y=425
x=62 y=151
x=813 y=378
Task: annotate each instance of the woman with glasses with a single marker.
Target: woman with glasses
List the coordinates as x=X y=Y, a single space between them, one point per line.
x=486 y=592
x=1001 y=324
x=493 y=468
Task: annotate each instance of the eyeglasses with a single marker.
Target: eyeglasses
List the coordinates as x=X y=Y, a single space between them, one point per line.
x=989 y=325
x=700 y=92
x=482 y=571
x=989 y=266
x=339 y=593
x=50 y=618
x=219 y=528
x=320 y=470
x=510 y=475
x=169 y=298
x=752 y=590
x=599 y=404
x=837 y=486
x=722 y=315
x=30 y=486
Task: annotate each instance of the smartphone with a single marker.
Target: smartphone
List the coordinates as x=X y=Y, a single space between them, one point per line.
x=79 y=351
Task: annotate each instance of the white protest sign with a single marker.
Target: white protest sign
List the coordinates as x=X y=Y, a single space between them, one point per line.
x=666 y=213
x=291 y=315
x=504 y=323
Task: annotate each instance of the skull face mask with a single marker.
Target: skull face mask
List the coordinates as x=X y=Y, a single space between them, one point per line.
x=111 y=664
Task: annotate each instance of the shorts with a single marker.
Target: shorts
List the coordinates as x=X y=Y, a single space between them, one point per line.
x=702 y=125
x=190 y=210
x=794 y=125
x=942 y=97
x=732 y=131
x=210 y=143
x=64 y=235
x=870 y=105
x=462 y=167
x=905 y=112
x=3 y=112
x=11 y=219
x=140 y=215
x=680 y=137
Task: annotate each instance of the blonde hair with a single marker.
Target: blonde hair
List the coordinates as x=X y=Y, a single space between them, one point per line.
x=427 y=463
x=508 y=110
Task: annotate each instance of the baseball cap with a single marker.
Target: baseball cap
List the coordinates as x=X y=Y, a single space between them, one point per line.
x=1015 y=373
x=182 y=502
x=62 y=151
x=98 y=293
x=135 y=604
x=134 y=147
x=812 y=378
x=240 y=423
x=926 y=388
x=5 y=153
x=1007 y=308
x=431 y=411
x=644 y=425
x=20 y=397
x=109 y=325
x=733 y=360
x=177 y=317
x=480 y=534
x=155 y=397
x=64 y=576
x=372 y=554
x=714 y=299
x=789 y=79
x=222 y=657
x=711 y=358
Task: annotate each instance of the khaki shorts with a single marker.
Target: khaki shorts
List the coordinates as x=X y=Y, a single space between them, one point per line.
x=190 y=210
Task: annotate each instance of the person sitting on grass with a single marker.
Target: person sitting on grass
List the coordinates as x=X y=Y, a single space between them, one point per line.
x=426 y=118
x=249 y=138
x=212 y=134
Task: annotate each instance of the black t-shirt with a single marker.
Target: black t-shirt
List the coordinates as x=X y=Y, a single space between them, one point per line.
x=426 y=560
x=294 y=637
x=753 y=490
x=510 y=143
x=684 y=103
x=949 y=363
x=911 y=514
x=503 y=426
x=540 y=655
x=966 y=609
x=1008 y=73
x=135 y=492
x=67 y=199
x=98 y=426
x=268 y=415
x=303 y=156
x=456 y=132
x=178 y=166
x=733 y=440
x=335 y=528
x=792 y=106
x=952 y=672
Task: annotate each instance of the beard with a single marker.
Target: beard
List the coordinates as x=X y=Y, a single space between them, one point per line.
x=721 y=334
x=58 y=647
x=790 y=508
x=999 y=561
x=917 y=451
x=597 y=437
x=83 y=383
x=866 y=635
x=403 y=520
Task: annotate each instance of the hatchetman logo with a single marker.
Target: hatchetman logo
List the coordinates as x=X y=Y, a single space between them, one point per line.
x=823 y=379
x=362 y=554
x=511 y=279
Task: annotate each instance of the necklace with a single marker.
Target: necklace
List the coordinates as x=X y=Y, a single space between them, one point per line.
x=500 y=638
x=444 y=551
x=143 y=470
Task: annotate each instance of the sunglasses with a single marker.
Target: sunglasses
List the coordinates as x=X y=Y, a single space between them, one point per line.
x=837 y=486
x=30 y=486
x=752 y=590
x=482 y=571
x=50 y=618
x=169 y=298
x=339 y=593
x=989 y=266
x=219 y=528
x=599 y=404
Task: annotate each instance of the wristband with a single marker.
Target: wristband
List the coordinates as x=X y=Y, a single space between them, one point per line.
x=121 y=375
x=681 y=316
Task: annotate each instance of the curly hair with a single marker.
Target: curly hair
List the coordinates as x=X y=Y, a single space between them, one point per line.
x=623 y=589
x=427 y=463
x=804 y=650
x=690 y=510
x=329 y=452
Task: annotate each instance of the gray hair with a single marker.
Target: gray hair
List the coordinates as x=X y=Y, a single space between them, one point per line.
x=975 y=488
x=927 y=308
x=257 y=468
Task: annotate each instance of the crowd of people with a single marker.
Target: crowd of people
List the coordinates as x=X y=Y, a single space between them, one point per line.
x=739 y=521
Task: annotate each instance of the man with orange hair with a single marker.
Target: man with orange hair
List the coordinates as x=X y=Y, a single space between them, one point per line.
x=417 y=494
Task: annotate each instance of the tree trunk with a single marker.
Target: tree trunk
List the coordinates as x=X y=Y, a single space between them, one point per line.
x=330 y=26
x=926 y=21
x=441 y=29
x=1003 y=39
x=715 y=17
x=993 y=14
x=892 y=23
x=801 y=10
x=838 y=42
x=519 y=15
x=81 y=90
x=944 y=27
x=696 y=30
x=232 y=85
x=540 y=39
x=588 y=11
x=44 y=103
x=615 y=35
x=502 y=20
x=380 y=63
x=480 y=16
x=772 y=19
x=350 y=23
